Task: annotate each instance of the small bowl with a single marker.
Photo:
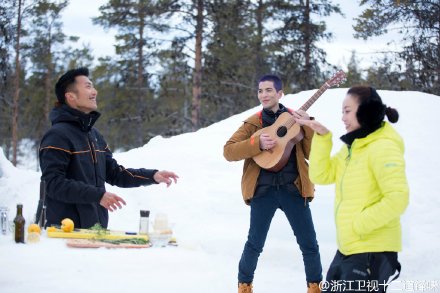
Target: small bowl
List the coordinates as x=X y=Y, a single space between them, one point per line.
x=159 y=239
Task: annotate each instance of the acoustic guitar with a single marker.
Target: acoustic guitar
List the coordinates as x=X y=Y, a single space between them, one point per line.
x=287 y=133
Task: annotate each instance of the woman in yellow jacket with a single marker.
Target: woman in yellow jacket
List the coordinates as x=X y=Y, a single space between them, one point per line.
x=371 y=192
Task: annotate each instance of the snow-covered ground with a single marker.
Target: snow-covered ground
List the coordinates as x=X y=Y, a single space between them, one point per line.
x=210 y=219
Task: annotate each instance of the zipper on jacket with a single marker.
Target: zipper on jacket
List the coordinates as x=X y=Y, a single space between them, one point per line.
x=94 y=159
x=347 y=161
x=92 y=149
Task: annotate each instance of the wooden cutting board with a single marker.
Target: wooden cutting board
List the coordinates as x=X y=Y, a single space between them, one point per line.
x=93 y=234
x=90 y=243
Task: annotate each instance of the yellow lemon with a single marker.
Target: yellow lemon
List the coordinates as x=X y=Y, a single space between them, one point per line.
x=67 y=225
x=51 y=229
x=34 y=228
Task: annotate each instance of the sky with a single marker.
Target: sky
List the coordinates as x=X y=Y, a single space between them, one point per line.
x=77 y=21
x=210 y=220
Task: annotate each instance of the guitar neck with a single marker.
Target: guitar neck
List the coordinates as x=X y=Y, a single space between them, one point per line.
x=313 y=99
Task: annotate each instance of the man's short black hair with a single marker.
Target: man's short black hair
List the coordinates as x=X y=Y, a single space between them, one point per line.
x=277 y=83
x=66 y=80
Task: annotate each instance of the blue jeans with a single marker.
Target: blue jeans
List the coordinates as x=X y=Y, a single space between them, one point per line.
x=266 y=201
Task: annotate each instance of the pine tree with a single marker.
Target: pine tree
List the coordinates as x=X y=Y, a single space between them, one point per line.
x=197 y=72
x=174 y=90
x=17 y=77
x=44 y=53
x=135 y=21
x=418 y=23
x=354 y=73
x=385 y=73
x=230 y=64
x=7 y=37
x=298 y=60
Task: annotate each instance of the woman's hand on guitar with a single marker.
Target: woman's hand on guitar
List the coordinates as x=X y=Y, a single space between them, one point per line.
x=266 y=142
x=301 y=114
x=315 y=125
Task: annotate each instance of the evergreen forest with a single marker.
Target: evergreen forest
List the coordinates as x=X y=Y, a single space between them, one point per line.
x=180 y=65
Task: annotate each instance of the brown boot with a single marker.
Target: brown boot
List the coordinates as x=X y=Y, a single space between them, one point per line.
x=244 y=288
x=313 y=288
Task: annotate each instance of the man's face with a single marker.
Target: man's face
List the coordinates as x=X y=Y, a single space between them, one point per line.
x=268 y=95
x=82 y=96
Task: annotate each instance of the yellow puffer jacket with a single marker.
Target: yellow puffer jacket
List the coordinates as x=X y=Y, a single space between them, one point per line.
x=371 y=189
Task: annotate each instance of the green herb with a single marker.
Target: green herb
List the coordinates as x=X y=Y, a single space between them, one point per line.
x=100 y=231
x=139 y=241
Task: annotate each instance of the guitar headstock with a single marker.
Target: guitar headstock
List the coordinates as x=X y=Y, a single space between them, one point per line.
x=337 y=78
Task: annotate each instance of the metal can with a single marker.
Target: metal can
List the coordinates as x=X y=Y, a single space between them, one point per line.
x=4 y=221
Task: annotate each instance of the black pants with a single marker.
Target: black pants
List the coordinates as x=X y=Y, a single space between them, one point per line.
x=363 y=272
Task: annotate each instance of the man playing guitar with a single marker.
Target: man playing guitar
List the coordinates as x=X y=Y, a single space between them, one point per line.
x=287 y=188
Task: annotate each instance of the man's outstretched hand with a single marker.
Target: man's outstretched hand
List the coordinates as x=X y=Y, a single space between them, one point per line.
x=166 y=177
x=111 y=201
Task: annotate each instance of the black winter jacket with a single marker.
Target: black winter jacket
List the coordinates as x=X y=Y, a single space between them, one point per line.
x=76 y=162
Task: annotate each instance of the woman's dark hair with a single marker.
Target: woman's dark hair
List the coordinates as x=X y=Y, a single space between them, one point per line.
x=371 y=111
x=66 y=80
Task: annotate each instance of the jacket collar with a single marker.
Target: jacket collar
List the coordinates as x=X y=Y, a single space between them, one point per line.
x=385 y=131
x=269 y=117
x=64 y=113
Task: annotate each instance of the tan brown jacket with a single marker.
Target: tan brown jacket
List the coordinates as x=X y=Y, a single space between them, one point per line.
x=242 y=145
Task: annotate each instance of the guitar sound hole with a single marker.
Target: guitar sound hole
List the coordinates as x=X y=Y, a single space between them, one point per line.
x=282 y=130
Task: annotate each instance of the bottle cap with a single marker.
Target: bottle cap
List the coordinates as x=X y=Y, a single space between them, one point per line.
x=145 y=213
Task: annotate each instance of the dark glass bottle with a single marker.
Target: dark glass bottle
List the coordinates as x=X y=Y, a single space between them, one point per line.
x=19 y=225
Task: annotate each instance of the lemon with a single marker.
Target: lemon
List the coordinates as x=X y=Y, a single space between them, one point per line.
x=67 y=225
x=51 y=229
x=34 y=228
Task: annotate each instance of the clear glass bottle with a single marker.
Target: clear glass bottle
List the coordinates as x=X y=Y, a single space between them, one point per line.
x=4 y=220
x=19 y=222
x=144 y=222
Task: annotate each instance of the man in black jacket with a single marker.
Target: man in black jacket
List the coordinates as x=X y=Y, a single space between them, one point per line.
x=76 y=161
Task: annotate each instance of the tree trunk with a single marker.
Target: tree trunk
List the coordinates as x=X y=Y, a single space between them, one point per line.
x=140 y=70
x=259 y=43
x=197 y=73
x=16 y=89
x=438 y=61
x=307 y=51
x=48 y=85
